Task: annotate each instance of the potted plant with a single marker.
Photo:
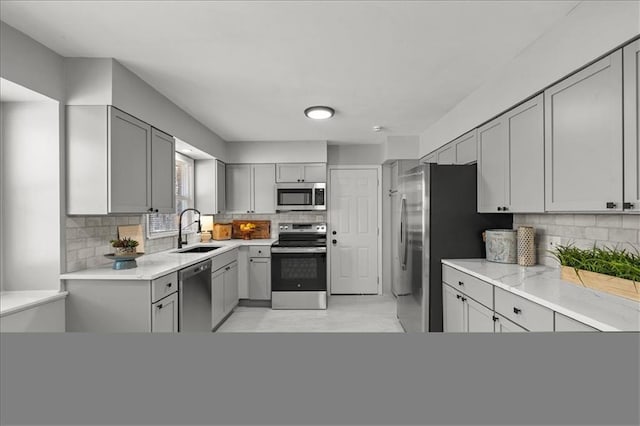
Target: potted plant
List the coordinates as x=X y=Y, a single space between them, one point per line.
x=614 y=271
x=124 y=246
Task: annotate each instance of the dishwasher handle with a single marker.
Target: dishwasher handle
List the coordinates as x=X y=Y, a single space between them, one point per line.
x=194 y=270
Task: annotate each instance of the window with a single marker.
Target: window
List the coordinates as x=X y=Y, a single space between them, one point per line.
x=164 y=225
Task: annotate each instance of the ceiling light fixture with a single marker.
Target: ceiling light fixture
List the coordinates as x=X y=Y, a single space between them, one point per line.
x=319 y=112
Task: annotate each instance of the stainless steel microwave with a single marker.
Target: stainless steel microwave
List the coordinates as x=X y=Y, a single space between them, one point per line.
x=301 y=196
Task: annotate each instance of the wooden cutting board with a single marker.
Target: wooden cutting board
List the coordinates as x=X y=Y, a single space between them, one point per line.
x=135 y=233
x=262 y=230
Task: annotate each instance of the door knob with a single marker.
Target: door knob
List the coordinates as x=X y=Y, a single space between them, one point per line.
x=334 y=232
x=334 y=241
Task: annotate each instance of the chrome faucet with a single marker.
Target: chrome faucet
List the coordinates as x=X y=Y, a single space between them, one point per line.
x=180 y=225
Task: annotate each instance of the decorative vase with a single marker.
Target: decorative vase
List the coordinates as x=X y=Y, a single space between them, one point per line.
x=526 y=246
x=124 y=251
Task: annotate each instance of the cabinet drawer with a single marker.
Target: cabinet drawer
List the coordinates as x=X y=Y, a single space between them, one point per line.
x=524 y=312
x=478 y=290
x=259 y=251
x=564 y=323
x=224 y=259
x=164 y=286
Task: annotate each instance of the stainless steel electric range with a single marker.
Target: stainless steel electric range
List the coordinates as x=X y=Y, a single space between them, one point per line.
x=299 y=267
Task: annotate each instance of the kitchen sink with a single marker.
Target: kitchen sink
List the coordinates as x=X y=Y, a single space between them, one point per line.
x=201 y=249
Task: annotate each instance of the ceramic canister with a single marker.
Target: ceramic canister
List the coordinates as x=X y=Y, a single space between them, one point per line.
x=501 y=245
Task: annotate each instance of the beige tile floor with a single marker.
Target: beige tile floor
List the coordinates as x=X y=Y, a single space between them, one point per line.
x=344 y=314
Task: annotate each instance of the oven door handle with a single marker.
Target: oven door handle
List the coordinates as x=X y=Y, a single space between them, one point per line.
x=298 y=249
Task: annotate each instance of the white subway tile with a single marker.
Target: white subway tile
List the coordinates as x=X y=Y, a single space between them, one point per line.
x=601 y=234
x=76 y=265
x=623 y=235
x=135 y=220
x=122 y=220
x=609 y=221
x=631 y=221
x=565 y=219
x=108 y=221
x=584 y=220
x=75 y=222
x=86 y=253
x=93 y=221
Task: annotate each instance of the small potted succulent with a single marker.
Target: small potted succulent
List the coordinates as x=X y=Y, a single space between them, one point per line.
x=124 y=246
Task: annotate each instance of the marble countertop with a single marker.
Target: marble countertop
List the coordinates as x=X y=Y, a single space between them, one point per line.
x=542 y=284
x=16 y=301
x=155 y=265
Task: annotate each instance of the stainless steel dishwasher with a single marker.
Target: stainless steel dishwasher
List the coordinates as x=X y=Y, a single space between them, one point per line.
x=194 y=283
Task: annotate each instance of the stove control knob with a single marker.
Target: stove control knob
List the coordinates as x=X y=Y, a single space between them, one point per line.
x=286 y=227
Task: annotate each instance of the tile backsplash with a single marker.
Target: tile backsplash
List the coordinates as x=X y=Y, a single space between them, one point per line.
x=582 y=230
x=88 y=237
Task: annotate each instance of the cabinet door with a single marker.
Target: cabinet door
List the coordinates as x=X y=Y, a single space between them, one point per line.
x=564 y=323
x=260 y=278
x=217 y=296
x=289 y=173
x=492 y=148
x=447 y=155
x=163 y=166
x=631 y=54
x=221 y=185
x=503 y=325
x=129 y=163
x=466 y=148
x=243 y=272
x=264 y=188
x=164 y=315
x=583 y=139
x=314 y=172
x=230 y=287
x=238 y=191
x=453 y=310
x=479 y=317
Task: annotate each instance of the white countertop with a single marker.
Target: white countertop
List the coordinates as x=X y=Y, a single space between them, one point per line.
x=542 y=284
x=155 y=265
x=15 y=301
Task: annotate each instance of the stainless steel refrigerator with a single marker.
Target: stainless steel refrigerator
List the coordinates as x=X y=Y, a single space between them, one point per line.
x=438 y=220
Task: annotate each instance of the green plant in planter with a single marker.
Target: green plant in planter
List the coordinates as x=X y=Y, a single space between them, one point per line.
x=124 y=245
x=614 y=262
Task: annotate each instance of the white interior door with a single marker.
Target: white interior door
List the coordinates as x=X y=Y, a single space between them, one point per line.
x=353 y=225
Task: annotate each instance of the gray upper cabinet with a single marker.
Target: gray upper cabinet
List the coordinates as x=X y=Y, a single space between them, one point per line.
x=492 y=150
x=631 y=58
x=583 y=139
x=511 y=161
x=459 y=151
x=301 y=172
x=163 y=166
x=430 y=158
x=251 y=188
x=117 y=163
x=210 y=187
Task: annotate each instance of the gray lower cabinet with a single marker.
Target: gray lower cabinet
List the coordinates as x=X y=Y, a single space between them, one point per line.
x=564 y=323
x=631 y=64
x=503 y=325
x=164 y=315
x=583 y=139
x=511 y=160
x=250 y=188
x=224 y=292
x=461 y=314
x=122 y=305
x=117 y=163
x=260 y=278
x=523 y=312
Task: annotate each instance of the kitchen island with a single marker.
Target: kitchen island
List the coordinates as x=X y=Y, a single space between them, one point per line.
x=554 y=302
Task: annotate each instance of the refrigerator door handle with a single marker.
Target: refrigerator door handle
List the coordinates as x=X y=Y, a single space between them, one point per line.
x=403 y=233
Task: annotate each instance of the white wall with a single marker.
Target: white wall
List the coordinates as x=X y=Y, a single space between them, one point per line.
x=135 y=96
x=88 y=81
x=359 y=154
x=31 y=196
x=30 y=64
x=401 y=148
x=590 y=30
x=277 y=152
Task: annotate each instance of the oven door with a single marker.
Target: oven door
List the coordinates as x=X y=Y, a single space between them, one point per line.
x=298 y=269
